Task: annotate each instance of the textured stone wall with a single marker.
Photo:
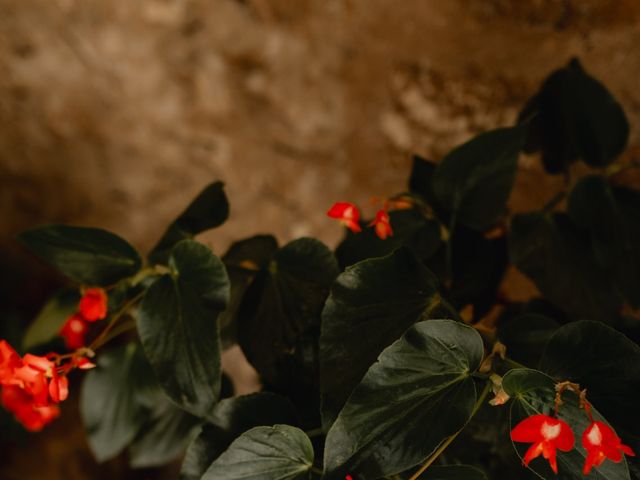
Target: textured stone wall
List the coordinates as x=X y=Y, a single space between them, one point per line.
x=115 y=113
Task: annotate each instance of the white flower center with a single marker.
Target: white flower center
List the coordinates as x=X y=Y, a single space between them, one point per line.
x=595 y=435
x=549 y=432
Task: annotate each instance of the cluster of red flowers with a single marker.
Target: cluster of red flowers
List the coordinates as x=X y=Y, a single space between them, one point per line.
x=92 y=307
x=549 y=434
x=349 y=215
x=32 y=386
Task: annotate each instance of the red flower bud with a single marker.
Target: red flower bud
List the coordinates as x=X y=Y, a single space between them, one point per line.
x=601 y=442
x=93 y=304
x=547 y=434
x=74 y=332
x=347 y=213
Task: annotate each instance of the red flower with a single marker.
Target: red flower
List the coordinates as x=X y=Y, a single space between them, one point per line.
x=547 y=435
x=20 y=403
x=9 y=361
x=74 y=332
x=93 y=304
x=382 y=225
x=32 y=385
x=601 y=442
x=347 y=213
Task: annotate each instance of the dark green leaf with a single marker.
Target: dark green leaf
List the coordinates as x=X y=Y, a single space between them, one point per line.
x=371 y=305
x=231 y=418
x=419 y=392
x=526 y=335
x=473 y=182
x=111 y=414
x=421 y=181
x=243 y=260
x=279 y=318
x=551 y=251
x=210 y=209
x=603 y=361
x=410 y=228
x=90 y=256
x=51 y=318
x=280 y=452
x=178 y=330
x=164 y=436
x=612 y=216
x=574 y=116
x=533 y=392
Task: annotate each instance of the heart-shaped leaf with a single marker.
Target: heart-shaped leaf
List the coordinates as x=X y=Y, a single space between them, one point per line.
x=574 y=116
x=419 y=392
x=533 y=393
x=555 y=254
x=382 y=297
x=208 y=210
x=178 y=329
x=279 y=319
x=280 y=452
x=90 y=256
x=473 y=182
x=231 y=418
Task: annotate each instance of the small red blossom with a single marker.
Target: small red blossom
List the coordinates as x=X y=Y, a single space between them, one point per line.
x=74 y=332
x=32 y=385
x=547 y=434
x=601 y=442
x=348 y=477
x=93 y=304
x=382 y=225
x=347 y=213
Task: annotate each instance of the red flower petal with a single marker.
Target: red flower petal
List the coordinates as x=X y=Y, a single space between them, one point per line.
x=93 y=304
x=58 y=387
x=601 y=442
x=382 y=225
x=347 y=213
x=547 y=435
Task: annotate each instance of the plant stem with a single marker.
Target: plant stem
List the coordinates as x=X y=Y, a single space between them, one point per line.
x=316 y=432
x=443 y=446
x=102 y=338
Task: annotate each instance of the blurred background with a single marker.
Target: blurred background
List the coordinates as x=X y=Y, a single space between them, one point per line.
x=116 y=113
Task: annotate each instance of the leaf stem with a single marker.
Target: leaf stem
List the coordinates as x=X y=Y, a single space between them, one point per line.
x=102 y=338
x=443 y=446
x=316 y=432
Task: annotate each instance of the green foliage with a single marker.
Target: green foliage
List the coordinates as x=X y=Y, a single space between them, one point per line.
x=208 y=210
x=89 y=256
x=572 y=117
x=231 y=418
x=351 y=346
x=382 y=297
x=473 y=182
x=51 y=318
x=265 y=453
x=178 y=329
x=381 y=429
x=606 y=363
